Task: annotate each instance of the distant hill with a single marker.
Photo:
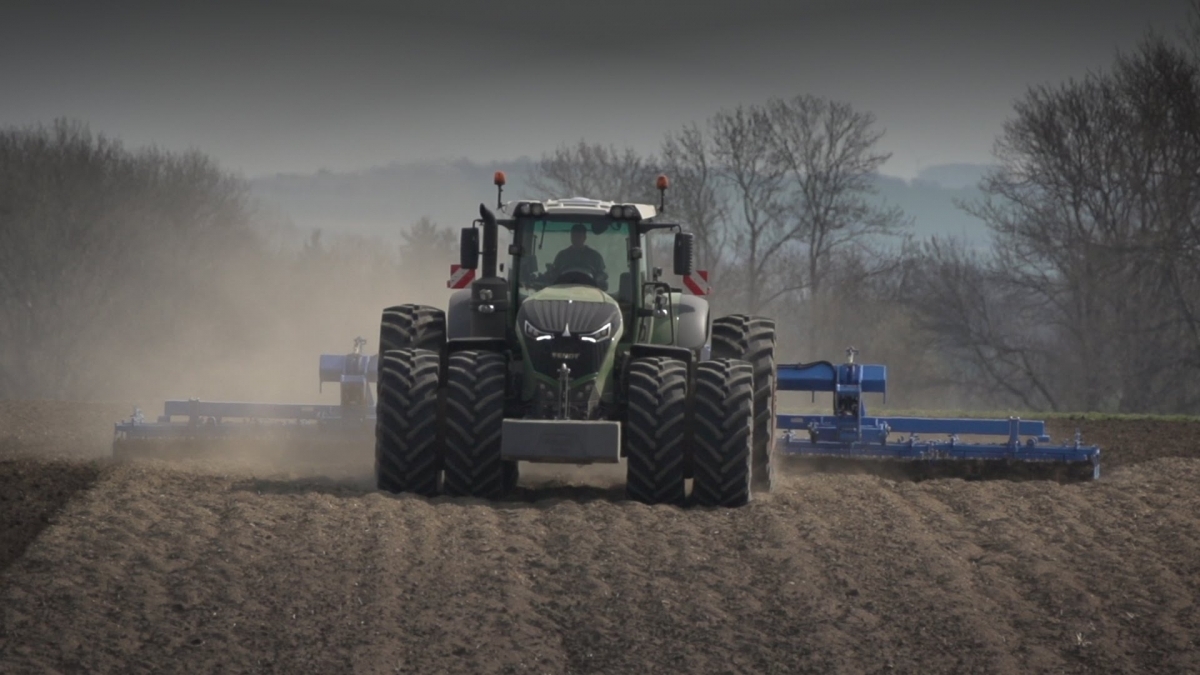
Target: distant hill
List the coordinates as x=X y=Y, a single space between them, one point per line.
x=931 y=205
x=953 y=176
x=388 y=199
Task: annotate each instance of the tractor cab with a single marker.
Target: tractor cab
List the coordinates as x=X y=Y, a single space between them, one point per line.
x=582 y=250
x=570 y=247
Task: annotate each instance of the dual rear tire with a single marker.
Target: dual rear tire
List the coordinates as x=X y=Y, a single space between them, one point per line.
x=752 y=339
x=412 y=326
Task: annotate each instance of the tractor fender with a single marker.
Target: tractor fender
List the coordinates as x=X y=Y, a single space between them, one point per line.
x=693 y=323
x=458 y=315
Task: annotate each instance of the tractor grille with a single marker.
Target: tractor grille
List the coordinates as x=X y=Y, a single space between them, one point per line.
x=582 y=357
x=583 y=401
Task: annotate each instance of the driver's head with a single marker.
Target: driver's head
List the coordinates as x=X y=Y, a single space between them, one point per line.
x=578 y=235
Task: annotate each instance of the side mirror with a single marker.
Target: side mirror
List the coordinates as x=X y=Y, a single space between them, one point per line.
x=468 y=248
x=684 y=259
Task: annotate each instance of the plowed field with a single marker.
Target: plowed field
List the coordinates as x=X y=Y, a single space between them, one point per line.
x=255 y=564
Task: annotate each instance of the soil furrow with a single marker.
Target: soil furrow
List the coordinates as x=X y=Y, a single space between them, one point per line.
x=248 y=565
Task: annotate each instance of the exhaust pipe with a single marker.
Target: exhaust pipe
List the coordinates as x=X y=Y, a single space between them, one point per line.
x=489 y=293
x=489 y=241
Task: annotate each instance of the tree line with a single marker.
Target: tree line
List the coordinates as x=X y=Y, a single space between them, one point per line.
x=151 y=274
x=1087 y=299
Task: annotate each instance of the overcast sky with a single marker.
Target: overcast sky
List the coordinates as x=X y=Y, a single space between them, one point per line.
x=294 y=86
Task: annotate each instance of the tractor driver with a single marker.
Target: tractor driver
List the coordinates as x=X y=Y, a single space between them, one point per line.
x=581 y=256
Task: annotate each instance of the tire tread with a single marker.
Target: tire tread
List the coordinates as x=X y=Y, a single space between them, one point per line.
x=722 y=433
x=407 y=443
x=654 y=431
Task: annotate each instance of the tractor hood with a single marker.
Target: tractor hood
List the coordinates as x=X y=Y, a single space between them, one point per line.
x=570 y=312
x=568 y=335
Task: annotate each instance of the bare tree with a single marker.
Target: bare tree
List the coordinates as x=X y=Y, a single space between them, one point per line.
x=827 y=149
x=773 y=193
x=426 y=241
x=100 y=248
x=696 y=197
x=1191 y=31
x=1094 y=209
x=595 y=171
x=742 y=149
x=972 y=311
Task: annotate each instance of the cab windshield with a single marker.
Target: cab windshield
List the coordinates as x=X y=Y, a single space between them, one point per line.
x=565 y=250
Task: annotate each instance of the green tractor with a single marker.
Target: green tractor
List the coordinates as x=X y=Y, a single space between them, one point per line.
x=591 y=358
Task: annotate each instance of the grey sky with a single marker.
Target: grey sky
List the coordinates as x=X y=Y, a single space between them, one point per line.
x=296 y=86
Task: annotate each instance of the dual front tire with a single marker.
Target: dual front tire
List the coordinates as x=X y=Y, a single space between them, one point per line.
x=434 y=440
x=666 y=430
x=439 y=415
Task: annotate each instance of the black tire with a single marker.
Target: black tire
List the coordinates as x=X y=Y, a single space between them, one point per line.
x=407 y=442
x=476 y=383
x=655 y=451
x=412 y=326
x=752 y=339
x=722 y=423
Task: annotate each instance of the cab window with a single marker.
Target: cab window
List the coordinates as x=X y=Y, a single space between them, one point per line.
x=574 y=251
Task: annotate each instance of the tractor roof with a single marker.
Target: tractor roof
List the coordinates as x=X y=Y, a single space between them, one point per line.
x=580 y=206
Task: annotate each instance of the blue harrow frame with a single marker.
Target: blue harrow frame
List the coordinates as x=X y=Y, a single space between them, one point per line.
x=849 y=433
x=192 y=419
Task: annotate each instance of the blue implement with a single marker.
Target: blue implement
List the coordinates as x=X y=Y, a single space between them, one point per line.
x=352 y=418
x=850 y=433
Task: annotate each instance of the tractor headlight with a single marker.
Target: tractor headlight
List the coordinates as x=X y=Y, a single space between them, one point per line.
x=535 y=333
x=624 y=212
x=535 y=209
x=600 y=335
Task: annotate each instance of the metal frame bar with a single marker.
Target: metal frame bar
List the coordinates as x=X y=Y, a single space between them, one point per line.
x=220 y=419
x=850 y=433
x=966 y=426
